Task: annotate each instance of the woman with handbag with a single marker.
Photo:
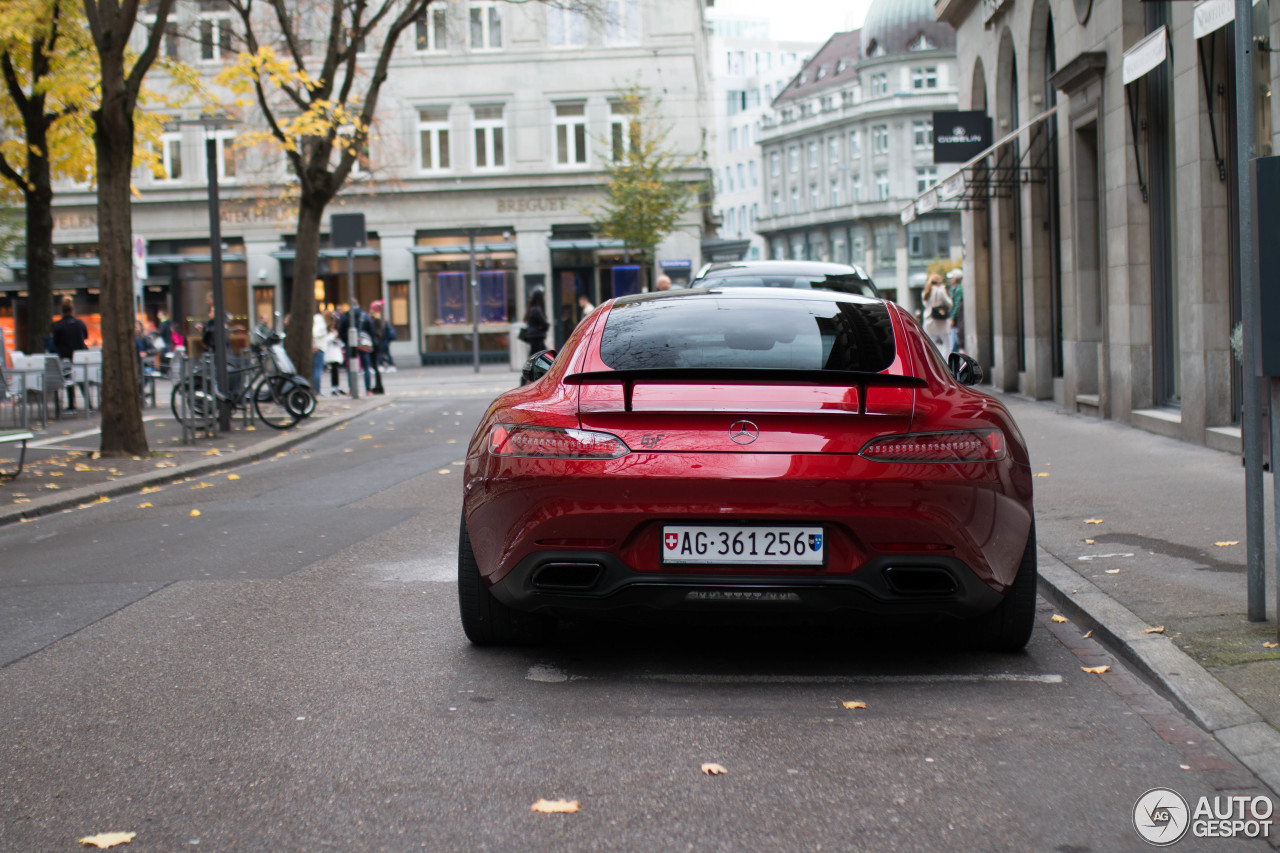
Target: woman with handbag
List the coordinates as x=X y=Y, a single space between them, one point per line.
x=937 y=310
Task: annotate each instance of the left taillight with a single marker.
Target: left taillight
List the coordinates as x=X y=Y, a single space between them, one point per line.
x=538 y=442
x=970 y=445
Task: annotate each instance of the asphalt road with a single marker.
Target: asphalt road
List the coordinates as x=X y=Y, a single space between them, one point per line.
x=286 y=671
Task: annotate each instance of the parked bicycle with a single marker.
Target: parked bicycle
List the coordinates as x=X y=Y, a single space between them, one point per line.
x=267 y=384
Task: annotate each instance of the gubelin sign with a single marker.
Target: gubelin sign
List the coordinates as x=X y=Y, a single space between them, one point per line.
x=959 y=136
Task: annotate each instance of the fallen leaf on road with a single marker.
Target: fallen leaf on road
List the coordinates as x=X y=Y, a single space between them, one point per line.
x=1093 y=521
x=233 y=476
x=555 y=806
x=145 y=505
x=195 y=513
x=202 y=485
x=1057 y=618
x=443 y=471
x=1096 y=670
x=1270 y=645
x=1088 y=635
x=713 y=769
x=1113 y=571
x=1157 y=630
x=166 y=464
x=1185 y=766
x=853 y=706
x=149 y=490
x=107 y=839
x=363 y=437
x=214 y=452
x=1089 y=542
x=1042 y=474
x=1226 y=544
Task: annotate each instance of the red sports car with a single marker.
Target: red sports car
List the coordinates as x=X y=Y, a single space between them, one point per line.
x=756 y=451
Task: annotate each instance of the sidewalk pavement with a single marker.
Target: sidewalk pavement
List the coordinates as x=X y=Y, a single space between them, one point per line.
x=1136 y=532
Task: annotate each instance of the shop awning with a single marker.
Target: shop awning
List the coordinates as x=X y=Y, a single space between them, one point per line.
x=585 y=244
x=463 y=248
x=963 y=189
x=84 y=263
x=290 y=254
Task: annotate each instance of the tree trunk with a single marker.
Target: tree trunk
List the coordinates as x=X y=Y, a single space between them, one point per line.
x=39 y=198
x=302 y=304
x=122 y=430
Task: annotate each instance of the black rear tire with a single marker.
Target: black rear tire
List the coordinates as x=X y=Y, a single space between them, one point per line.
x=1009 y=626
x=485 y=620
x=270 y=401
x=203 y=405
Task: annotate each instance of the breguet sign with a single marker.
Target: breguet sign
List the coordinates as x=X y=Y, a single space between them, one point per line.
x=960 y=136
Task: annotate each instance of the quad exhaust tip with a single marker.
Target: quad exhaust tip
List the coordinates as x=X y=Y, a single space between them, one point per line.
x=568 y=576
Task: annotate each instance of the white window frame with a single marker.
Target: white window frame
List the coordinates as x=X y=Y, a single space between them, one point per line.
x=879 y=139
x=834 y=191
x=922 y=133
x=833 y=149
x=924 y=78
x=569 y=134
x=428 y=30
x=855 y=188
x=812 y=153
x=566 y=27
x=926 y=177
x=224 y=146
x=488 y=15
x=879 y=84
x=621 y=22
x=171 y=144
x=623 y=116
x=882 y=185
x=777 y=203
x=855 y=144
x=793 y=158
x=436 y=145
x=795 y=199
x=491 y=136
x=220 y=24
x=775 y=164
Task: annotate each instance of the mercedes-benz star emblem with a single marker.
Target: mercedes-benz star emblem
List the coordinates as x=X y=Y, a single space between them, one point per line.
x=743 y=432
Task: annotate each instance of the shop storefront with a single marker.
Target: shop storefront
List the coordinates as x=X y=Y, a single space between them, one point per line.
x=449 y=310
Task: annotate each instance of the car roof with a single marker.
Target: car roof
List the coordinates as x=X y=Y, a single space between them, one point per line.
x=710 y=291
x=808 y=269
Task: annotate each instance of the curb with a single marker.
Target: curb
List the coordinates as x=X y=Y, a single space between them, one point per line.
x=1192 y=688
x=126 y=485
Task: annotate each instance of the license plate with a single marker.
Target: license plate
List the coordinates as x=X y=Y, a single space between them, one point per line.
x=769 y=545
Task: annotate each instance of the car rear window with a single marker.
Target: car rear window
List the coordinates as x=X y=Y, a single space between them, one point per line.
x=711 y=331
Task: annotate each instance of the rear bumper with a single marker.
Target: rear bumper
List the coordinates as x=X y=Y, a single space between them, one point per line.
x=578 y=582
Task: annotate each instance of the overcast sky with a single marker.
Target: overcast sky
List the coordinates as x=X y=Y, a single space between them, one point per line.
x=799 y=20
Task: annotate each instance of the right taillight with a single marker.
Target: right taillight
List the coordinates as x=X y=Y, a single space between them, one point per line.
x=969 y=445
x=537 y=442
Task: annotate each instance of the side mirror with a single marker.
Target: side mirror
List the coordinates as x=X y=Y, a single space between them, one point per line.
x=537 y=366
x=964 y=368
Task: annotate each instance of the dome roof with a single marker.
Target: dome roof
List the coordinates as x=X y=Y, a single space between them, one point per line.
x=896 y=26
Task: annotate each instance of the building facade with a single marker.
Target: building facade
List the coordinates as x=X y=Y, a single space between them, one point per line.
x=1103 y=269
x=850 y=140
x=493 y=131
x=748 y=70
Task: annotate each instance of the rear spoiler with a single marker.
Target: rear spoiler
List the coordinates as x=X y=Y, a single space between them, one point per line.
x=628 y=379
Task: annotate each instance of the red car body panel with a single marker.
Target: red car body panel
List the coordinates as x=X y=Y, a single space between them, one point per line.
x=974 y=518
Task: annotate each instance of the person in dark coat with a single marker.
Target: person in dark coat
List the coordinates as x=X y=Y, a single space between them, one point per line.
x=535 y=324
x=363 y=323
x=70 y=335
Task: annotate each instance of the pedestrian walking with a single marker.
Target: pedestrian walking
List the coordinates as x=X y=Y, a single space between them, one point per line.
x=955 y=279
x=319 y=332
x=937 y=310
x=385 y=362
x=333 y=351
x=535 y=328
x=70 y=335
x=378 y=327
x=363 y=349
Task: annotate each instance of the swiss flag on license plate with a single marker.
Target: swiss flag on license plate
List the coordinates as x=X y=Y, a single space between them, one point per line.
x=672 y=540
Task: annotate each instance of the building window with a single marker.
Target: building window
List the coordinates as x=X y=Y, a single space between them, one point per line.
x=730 y=221
x=169 y=44
x=879 y=84
x=922 y=133
x=924 y=78
x=855 y=145
x=813 y=155
x=433 y=139
x=742 y=176
x=833 y=149
x=490 y=129
x=215 y=36
x=571 y=134
x=430 y=30
x=733 y=139
x=621 y=21
x=486 y=26
x=624 y=128
x=885 y=243
x=855 y=188
x=751 y=169
x=736 y=62
x=882 y=185
x=814 y=201
x=775 y=164
x=926 y=176
x=795 y=199
x=728 y=179
x=225 y=145
x=929 y=238
x=777 y=204
x=793 y=159
x=742 y=219
x=170 y=157
x=880 y=139
x=566 y=27
x=835 y=192
x=755 y=214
